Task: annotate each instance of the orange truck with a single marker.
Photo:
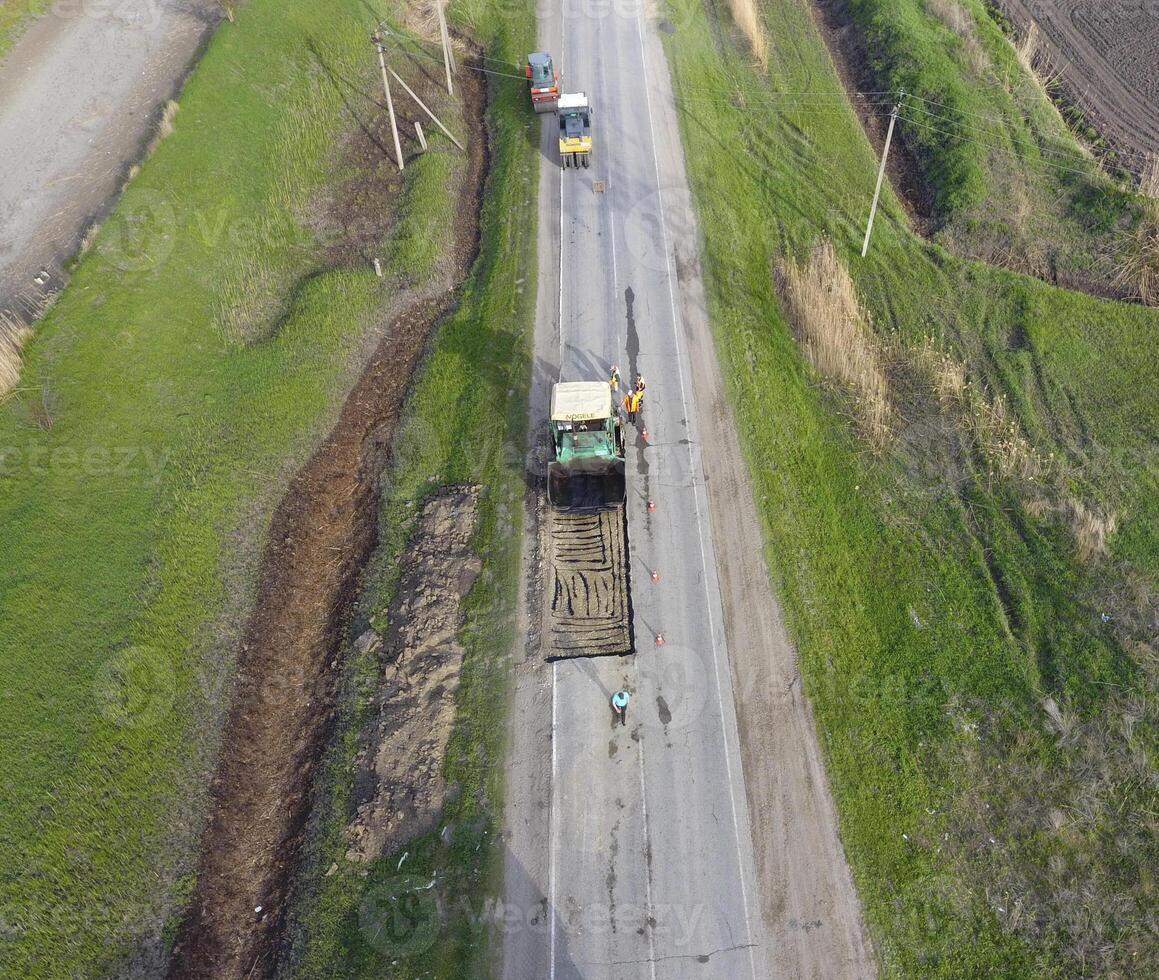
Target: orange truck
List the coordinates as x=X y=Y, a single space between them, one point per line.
x=543 y=80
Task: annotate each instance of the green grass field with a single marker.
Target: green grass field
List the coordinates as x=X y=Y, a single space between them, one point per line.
x=480 y=366
x=990 y=739
x=1008 y=180
x=201 y=351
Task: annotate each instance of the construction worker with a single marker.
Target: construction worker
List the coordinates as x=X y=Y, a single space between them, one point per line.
x=614 y=380
x=620 y=705
x=639 y=385
x=632 y=403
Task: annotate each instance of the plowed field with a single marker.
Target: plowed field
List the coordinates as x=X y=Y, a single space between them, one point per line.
x=1108 y=54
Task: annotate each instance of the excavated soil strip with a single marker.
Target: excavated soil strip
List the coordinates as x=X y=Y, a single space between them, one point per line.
x=284 y=701
x=590 y=612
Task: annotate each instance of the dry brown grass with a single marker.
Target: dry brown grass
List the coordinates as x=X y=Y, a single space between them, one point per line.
x=985 y=417
x=90 y=235
x=1042 y=74
x=13 y=334
x=1091 y=529
x=164 y=128
x=1027 y=48
x=747 y=16
x=959 y=20
x=835 y=334
x=1138 y=258
x=1149 y=178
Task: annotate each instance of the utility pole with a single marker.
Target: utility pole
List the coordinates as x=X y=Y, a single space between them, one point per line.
x=422 y=105
x=448 y=56
x=377 y=38
x=881 y=172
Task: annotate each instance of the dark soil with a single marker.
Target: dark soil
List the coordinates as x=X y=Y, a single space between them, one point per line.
x=319 y=541
x=1107 y=57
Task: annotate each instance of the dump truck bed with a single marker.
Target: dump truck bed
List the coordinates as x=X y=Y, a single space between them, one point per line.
x=588 y=585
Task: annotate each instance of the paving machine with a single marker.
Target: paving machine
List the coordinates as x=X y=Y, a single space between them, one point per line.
x=575 y=130
x=543 y=80
x=587 y=473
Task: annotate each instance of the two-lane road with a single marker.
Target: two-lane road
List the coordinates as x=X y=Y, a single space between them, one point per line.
x=649 y=858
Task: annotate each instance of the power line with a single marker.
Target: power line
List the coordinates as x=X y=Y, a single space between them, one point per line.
x=439 y=60
x=422 y=40
x=962 y=112
x=996 y=147
x=1029 y=144
x=821 y=101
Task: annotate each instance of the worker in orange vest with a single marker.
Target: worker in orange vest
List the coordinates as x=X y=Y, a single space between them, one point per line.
x=633 y=403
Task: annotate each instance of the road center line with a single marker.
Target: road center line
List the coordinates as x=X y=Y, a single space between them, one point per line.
x=647 y=863
x=696 y=499
x=552 y=824
x=635 y=661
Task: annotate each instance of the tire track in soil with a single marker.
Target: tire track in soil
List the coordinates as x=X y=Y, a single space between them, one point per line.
x=283 y=708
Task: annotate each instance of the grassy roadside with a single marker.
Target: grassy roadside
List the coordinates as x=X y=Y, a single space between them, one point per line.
x=466 y=422
x=202 y=349
x=14 y=18
x=1009 y=182
x=990 y=738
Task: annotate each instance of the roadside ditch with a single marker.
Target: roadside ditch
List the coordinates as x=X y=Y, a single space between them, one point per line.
x=289 y=664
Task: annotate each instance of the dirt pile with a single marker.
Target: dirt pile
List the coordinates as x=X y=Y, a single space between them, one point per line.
x=399 y=787
x=283 y=706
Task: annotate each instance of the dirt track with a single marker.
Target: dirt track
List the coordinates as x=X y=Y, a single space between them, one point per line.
x=283 y=703
x=1108 y=54
x=80 y=94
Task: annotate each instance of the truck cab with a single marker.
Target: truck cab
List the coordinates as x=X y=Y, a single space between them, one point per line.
x=588 y=442
x=543 y=80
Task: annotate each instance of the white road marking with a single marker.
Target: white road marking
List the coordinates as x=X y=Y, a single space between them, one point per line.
x=647 y=845
x=615 y=274
x=560 y=279
x=635 y=661
x=696 y=495
x=552 y=822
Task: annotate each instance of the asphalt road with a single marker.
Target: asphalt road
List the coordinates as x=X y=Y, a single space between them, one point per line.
x=701 y=839
x=80 y=93
x=649 y=857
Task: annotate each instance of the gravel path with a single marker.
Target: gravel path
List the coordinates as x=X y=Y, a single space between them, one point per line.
x=80 y=96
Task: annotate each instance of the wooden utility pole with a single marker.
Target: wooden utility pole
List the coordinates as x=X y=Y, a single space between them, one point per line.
x=389 y=102
x=881 y=173
x=422 y=105
x=448 y=55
